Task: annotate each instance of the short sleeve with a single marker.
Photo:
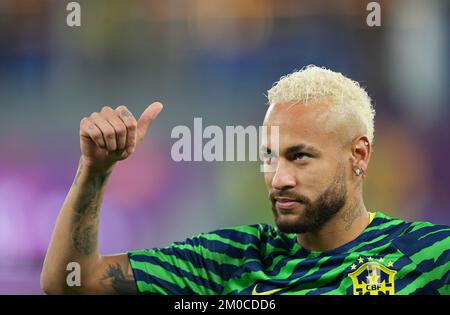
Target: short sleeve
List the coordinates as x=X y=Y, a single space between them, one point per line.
x=199 y=265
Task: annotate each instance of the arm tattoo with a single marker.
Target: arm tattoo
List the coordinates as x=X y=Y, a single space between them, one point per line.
x=86 y=216
x=85 y=238
x=121 y=282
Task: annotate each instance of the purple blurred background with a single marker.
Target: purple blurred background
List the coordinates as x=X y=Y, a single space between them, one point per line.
x=215 y=60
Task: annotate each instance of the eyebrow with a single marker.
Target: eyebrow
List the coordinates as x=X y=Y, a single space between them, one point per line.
x=295 y=148
x=302 y=147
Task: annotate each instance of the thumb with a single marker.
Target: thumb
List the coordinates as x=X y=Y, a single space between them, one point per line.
x=147 y=117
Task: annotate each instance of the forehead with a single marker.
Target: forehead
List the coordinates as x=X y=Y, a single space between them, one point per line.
x=301 y=123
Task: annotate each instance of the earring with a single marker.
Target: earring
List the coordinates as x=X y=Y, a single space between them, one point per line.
x=358 y=172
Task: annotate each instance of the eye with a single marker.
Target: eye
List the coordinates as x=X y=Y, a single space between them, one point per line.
x=268 y=157
x=301 y=156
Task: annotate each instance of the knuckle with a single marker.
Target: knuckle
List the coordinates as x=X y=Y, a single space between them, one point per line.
x=106 y=108
x=124 y=113
x=109 y=135
x=97 y=138
x=132 y=125
x=121 y=131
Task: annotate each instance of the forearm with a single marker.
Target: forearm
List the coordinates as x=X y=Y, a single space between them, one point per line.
x=105 y=138
x=75 y=236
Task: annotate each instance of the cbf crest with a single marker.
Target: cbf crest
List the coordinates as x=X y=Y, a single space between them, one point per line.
x=372 y=277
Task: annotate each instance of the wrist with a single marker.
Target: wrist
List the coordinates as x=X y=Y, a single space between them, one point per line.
x=95 y=169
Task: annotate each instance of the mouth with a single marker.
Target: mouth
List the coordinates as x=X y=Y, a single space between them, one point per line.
x=286 y=203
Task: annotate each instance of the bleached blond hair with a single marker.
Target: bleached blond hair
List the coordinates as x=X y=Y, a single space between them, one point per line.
x=345 y=96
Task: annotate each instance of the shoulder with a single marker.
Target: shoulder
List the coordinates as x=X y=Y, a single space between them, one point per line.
x=410 y=231
x=424 y=232
x=244 y=234
x=423 y=240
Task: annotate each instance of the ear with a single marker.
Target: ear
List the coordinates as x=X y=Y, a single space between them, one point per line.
x=361 y=150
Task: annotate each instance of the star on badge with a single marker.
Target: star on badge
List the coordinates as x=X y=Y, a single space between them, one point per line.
x=353 y=267
x=390 y=263
x=361 y=260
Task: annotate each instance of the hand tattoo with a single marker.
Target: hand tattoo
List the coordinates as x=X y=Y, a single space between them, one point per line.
x=125 y=113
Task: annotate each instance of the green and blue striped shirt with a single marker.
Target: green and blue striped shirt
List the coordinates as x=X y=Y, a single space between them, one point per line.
x=391 y=256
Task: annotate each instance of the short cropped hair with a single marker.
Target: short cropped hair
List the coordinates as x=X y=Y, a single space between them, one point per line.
x=346 y=97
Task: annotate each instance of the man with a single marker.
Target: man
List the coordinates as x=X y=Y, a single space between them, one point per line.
x=325 y=240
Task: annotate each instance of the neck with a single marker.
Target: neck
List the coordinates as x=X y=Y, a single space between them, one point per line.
x=344 y=227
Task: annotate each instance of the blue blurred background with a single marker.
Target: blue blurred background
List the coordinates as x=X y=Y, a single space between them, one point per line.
x=215 y=60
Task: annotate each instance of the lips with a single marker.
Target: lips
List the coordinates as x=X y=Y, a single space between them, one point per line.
x=285 y=203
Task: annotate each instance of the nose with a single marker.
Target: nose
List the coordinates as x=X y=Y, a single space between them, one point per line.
x=283 y=178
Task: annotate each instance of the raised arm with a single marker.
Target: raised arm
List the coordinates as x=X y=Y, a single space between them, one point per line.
x=105 y=138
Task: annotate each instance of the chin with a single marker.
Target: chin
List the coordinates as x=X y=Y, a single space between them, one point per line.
x=291 y=224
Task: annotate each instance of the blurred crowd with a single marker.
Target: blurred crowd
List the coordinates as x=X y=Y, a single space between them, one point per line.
x=215 y=60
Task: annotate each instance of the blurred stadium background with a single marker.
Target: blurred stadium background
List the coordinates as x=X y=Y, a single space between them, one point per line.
x=215 y=60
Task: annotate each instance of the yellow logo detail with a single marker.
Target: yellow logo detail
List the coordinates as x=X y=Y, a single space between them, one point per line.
x=373 y=278
x=254 y=292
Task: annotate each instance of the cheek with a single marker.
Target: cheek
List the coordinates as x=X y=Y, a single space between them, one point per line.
x=268 y=176
x=315 y=177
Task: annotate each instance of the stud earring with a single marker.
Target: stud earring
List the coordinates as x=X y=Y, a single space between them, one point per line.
x=358 y=172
